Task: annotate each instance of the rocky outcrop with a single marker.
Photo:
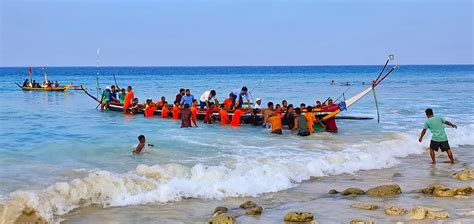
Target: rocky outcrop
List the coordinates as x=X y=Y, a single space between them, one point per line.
x=299 y=217
x=223 y=218
x=465 y=174
x=420 y=212
x=384 y=190
x=392 y=210
x=353 y=191
x=248 y=204
x=220 y=209
x=440 y=190
x=29 y=215
x=254 y=211
x=333 y=191
x=358 y=221
x=365 y=206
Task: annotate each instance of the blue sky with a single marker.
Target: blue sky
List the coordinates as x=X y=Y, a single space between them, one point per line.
x=188 y=33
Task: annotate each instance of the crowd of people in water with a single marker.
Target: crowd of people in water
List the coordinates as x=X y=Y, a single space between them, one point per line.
x=301 y=120
x=45 y=84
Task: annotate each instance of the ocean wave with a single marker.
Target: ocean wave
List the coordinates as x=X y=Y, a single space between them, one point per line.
x=241 y=176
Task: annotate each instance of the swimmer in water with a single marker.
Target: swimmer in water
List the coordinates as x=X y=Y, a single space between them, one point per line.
x=141 y=144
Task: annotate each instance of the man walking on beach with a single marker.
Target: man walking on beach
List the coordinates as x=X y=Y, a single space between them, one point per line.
x=439 y=138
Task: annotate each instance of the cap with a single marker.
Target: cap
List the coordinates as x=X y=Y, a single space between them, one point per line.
x=107 y=87
x=258 y=99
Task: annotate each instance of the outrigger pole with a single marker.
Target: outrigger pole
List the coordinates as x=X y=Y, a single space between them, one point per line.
x=97 y=77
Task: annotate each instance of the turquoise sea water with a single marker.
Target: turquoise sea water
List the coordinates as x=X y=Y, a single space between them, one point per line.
x=53 y=137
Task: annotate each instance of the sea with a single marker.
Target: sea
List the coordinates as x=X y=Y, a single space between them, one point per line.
x=73 y=163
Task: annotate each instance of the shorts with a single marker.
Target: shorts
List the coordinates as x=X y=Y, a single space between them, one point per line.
x=279 y=132
x=444 y=146
x=306 y=133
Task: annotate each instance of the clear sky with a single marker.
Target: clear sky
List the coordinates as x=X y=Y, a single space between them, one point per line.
x=187 y=33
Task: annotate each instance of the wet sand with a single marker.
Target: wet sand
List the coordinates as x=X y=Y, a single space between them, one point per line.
x=412 y=174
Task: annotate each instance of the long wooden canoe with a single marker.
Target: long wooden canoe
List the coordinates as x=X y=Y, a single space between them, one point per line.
x=57 y=89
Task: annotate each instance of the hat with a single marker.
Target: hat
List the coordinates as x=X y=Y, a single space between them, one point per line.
x=258 y=99
x=107 y=87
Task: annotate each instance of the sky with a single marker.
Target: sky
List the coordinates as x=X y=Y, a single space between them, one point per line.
x=219 y=33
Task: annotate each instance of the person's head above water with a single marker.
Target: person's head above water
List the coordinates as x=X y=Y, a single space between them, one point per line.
x=141 y=138
x=298 y=110
x=186 y=105
x=129 y=88
x=284 y=103
x=213 y=93
x=270 y=105
x=181 y=91
x=429 y=112
x=188 y=92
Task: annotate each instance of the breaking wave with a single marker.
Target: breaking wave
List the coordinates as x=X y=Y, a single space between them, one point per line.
x=242 y=176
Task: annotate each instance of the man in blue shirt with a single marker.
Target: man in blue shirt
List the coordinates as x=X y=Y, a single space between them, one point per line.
x=238 y=94
x=187 y=99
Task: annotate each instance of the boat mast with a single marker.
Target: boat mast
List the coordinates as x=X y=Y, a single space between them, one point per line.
x=45 y=74
x=30 y=70
x=97 y=77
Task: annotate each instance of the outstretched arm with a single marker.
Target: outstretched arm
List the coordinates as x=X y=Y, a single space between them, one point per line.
x=450 y=124
x=295 y=127
x=423 y=132
x=139 y=148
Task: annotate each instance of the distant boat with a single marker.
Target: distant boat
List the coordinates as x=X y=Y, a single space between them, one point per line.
x=30 y=87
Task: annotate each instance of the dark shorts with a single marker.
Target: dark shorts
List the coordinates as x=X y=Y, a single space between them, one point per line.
x=306 y=133
x=444 y=146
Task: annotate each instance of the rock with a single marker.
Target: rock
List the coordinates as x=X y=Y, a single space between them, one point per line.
x=461 y=197
x=392 y=210
x=298 y=217
x=220 y=209
x=353 y=191
x=248 y=204
x=254 y=211
x=365 y=206
x=384 y=190
x=465 y=174
x=29 y=215
x=223 y=219
x=397 y=175
x=419 y=213
x=333 y=191
x=440 y=190
x=358 y=221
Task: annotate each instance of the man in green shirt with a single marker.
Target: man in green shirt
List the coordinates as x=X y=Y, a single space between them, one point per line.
x=439 y=138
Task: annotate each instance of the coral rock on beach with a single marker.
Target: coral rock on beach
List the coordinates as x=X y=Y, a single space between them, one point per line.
x=223 y=218
x=440 y=190
x=465 y=174
x=384 y=190
x=365 y=206
x=333 y=191
x=248 y=204
x=353 y=191
x=299 y=217
x=220 y=210
x=29 y=215
x=358 y=221
x=392 y=210
x=420 y=212
x=254 y=211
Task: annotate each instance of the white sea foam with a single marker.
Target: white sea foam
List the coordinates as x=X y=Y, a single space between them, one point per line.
x=240 y=176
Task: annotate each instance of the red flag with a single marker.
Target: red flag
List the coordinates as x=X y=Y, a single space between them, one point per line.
x=30 y=70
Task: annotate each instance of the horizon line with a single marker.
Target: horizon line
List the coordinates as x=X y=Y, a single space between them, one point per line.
x=202 y=66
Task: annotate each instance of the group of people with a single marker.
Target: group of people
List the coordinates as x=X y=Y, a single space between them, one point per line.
x=301 y=120
x=45 y=84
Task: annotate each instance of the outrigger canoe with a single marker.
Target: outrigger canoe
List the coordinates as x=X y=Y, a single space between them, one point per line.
x=58 y=89
x=323 y=114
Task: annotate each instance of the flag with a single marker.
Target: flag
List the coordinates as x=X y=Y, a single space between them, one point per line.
x=30 y=70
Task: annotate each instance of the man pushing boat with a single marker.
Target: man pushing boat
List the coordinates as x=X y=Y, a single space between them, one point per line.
x=439 y=138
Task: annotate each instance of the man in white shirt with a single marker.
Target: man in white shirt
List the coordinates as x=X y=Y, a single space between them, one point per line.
x=206 y=97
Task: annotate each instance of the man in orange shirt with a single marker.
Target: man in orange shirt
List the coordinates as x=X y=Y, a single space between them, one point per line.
x=224 y=115
x=209 y=117
x=176 y=110
x=236 y=117
x=159 y=104
x=311 y=118
x=275 y=122
x=150 y=108
x=165 y=110
x=128 y=99
x=228 y=102
x=194 y=110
